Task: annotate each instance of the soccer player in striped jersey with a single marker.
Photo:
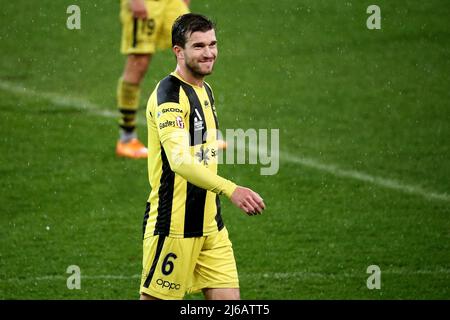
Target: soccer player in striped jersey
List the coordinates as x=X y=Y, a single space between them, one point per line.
x=186 y=246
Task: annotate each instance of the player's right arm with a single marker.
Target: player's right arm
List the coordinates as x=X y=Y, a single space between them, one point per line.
x=138 y=9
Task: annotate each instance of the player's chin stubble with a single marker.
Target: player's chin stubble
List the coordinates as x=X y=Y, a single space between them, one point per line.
x=196 y=70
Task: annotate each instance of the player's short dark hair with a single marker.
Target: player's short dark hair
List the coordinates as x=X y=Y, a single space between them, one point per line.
x=187 y=24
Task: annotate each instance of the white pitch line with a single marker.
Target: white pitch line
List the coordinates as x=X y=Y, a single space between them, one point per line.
x=361 y=176
x=58 y=99
x=259 y=275
x=64 y=101
x=60 y=277
x=356 y=175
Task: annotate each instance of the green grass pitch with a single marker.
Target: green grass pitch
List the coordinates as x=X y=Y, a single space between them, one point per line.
x=364 y=122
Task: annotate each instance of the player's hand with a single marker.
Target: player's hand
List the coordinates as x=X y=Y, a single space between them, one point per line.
x=188 y=2
x=248 y=200
x=138 y=9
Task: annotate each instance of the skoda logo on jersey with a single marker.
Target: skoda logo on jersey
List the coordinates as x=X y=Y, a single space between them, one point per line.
x=172 y=110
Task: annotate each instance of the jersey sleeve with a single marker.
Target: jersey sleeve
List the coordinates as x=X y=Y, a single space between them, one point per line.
x=171 y=120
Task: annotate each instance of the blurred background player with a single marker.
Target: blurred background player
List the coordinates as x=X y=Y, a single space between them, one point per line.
x=146 y=27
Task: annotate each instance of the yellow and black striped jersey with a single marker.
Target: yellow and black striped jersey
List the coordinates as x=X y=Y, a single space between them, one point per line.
x=182 y=161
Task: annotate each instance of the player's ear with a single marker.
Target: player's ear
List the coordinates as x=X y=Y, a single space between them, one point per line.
x=178 y=51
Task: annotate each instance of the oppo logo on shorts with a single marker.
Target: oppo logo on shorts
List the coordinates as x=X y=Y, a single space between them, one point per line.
x=168 y=285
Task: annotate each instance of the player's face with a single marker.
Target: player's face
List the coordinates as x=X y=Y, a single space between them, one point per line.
x=200 y=53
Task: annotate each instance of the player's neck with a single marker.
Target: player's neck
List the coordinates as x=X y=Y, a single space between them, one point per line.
x=187 y=76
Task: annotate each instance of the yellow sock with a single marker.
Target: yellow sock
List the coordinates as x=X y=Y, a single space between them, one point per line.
x=128 y=95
